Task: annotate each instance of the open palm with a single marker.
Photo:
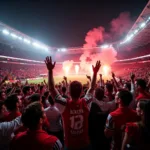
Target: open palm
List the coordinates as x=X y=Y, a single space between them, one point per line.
x=48 y=61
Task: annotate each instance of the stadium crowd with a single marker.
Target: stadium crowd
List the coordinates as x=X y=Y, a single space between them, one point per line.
x=107 y=115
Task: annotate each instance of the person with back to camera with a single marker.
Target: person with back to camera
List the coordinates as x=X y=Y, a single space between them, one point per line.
x=75 y=111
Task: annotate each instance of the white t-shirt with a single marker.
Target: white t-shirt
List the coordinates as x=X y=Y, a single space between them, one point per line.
x=54 y=118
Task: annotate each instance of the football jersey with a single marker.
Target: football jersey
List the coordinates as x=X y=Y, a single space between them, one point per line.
x=75 y=119
x=116 y=122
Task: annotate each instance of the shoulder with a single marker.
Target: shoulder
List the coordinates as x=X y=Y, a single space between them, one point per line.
x=131 y=128
x=49 y=141
x=114 y=113
x=50 y=138
x=19 y=136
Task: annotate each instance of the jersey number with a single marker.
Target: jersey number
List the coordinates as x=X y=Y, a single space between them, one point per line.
x=76 y=122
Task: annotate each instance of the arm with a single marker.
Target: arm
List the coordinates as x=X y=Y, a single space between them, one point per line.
x=114 y=79
x=57 y=145
x=5 y=78
x=132 y=76
x=109 y=127
x=45 y=84
x=88 y=77
x=126 y=140
x=101 y=80
x=93 y=82
x=7 y=128
x=61 y=102
x=89 y=95
x=51 y=84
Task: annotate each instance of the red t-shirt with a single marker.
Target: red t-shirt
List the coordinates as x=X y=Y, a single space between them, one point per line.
x=143 y=95
x=33 y=140
x=76 y=124
x=75 y=118
x=12 y=115
x=116 y=122
x=134 y=131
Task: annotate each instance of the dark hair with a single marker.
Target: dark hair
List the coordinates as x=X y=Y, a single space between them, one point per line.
x=18 y=91
x=128 y=86
x=64 y=89
x=32 y=114
x=145 y=107
x=46 y=93
x=35 y=97
x=8 y=90
x=109 y=87
x=51 y=101
x=75 y=89
x=33 y=88
x=11 y=102
x=41 y=87
x=141 y=83
x=99 y=93
x=125 y=96
x=26 y=89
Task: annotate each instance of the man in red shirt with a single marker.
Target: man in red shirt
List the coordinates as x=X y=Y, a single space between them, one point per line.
x=12 y=105
x=75 y=111
x=141 y=90
x=34 y=138
x=117 y=119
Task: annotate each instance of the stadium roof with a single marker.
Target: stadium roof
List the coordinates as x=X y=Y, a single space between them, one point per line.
x=142 y=38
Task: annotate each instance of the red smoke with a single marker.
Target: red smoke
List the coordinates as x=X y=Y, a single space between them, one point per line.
x=97 y=36
x=93 y=36
x=121 y=25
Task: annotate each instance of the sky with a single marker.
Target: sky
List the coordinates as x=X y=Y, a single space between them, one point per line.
x=62 y=23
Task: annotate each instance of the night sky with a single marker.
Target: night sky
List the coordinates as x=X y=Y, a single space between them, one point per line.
x=64 y=23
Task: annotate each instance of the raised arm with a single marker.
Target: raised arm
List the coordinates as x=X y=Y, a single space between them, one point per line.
x=60 y=101
x=101 y=80
x=114 y=79
x=51 y=85
x=88 y=77
x=95 y=71
x=132 y=76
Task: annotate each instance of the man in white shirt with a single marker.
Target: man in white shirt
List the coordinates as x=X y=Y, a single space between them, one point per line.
x=55 y=120
x=6 y=130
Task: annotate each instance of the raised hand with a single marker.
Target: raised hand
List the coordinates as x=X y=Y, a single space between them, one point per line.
x=97 y=67
x=65 y=78
x=113 y=75
x=48 y=61
x=100 y=75
x=89 y=77
x=132 y=76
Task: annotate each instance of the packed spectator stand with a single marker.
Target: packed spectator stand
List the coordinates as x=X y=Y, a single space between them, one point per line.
x=49 y=116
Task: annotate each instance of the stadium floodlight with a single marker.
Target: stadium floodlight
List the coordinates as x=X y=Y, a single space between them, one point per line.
x=36 y=44
x=45 y=48
x=63 y=49
x=20 y=38
x=13 y=35
x=142 y=25
x=6 y=32
x=27 y=41
x=129 y=37
x=105 y=46
x=136 y=31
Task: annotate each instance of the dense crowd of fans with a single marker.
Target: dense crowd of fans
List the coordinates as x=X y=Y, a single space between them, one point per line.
x=108 y=115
